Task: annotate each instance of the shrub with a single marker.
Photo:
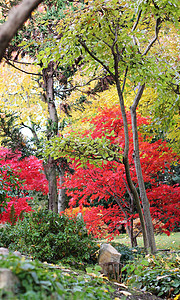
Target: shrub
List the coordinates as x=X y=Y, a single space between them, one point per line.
x=49 y=237
x=127 y=254
x=156 y=274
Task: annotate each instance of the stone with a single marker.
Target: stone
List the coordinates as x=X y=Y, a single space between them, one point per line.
x=109 y=260
x=8 y=280
x=5 y=251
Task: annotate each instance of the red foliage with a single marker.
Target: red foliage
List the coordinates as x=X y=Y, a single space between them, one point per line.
x=28 y=169
x=27 y=176
x=95 y=218
x=91 y=184
x=20 y=204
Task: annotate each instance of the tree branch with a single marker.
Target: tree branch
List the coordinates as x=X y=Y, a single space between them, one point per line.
x=17 y=16
x=157 y=28
x=124 y=81
x=137 y=97
x=26 y=72
x=137 y=20
x=83 y=44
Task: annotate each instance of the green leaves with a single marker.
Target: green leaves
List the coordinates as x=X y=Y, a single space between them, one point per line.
x=83 y=148
x=157 y=274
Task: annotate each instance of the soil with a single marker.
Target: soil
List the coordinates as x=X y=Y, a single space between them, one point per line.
x=124 y=293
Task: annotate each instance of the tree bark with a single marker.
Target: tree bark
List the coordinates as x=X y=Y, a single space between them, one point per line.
x=126 y=164
x=50 y=172
x=50 y=167
x=61 y=194
x=143 y=195
x=17 y=16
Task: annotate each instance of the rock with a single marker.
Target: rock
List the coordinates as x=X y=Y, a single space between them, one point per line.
x=8 y=280
x=5 y=251
x=17 y=253
x=109 y=260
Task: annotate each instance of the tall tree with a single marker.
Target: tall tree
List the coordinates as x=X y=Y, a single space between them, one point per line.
x=119 y=37
x=40 y=32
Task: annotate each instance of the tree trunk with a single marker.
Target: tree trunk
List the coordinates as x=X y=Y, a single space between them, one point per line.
x=126 y=163
x=61 y=194
x=50 y=172
x=143 y=195
x=50 y=167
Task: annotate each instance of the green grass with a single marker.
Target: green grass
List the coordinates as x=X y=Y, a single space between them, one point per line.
x=162 y=241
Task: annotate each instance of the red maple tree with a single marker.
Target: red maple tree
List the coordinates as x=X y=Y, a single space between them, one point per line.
x=92 y=186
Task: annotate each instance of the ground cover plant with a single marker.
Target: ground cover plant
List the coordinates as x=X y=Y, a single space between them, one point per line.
x=39 y=281
x=157 y=274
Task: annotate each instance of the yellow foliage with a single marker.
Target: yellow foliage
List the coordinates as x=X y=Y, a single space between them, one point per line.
x=20 y=93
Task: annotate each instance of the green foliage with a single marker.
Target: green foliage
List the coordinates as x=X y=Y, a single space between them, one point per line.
x=49 y=237
x=85 y=149
x=157 y=274
x=39 y=281
x=127 y=254
x=12 y=137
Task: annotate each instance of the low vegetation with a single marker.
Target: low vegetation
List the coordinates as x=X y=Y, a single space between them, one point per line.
x=46 y=236
x=61 y=261
x=39 y=281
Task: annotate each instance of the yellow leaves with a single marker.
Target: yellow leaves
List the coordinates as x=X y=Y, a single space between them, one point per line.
x=20 y=93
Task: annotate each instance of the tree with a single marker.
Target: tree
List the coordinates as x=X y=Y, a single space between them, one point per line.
x=17 y=17
x=40 y=37
x=100 y=175
x=115 y=36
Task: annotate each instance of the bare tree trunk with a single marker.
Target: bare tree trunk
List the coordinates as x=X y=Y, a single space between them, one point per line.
x=50 y=167
x=50 y=172
x=126 y=162
x=143 y=195
x=17 y=16
x=61 y=194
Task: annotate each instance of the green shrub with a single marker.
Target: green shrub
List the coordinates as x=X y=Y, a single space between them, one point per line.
x=49 y=237
x=39 y=281
x=127 y=253
x=156 y=274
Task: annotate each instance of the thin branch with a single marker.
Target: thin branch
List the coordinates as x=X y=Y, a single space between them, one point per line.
x=157 y=28
x=137 y=20
x=33 y=132
x=95 y=57
x=102 y=41
x=109 y=25
x=19 y=62
x=133 y=29
x=124 y=81
x=137 y=97
x=79 y=86
x=26 y=72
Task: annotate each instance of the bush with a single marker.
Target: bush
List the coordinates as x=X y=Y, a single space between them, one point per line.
x=156 y=274
x=39 y=281
x=127 y=253
x=49 y=237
